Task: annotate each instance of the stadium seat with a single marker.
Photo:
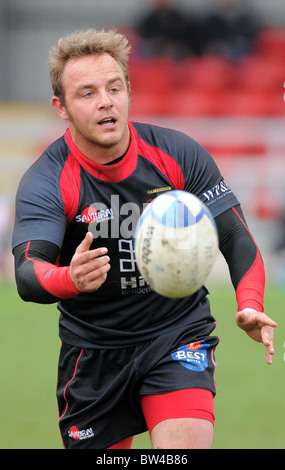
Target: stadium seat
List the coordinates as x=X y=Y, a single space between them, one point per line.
x=194 y=103
x=208 y=86
x=210 y=73
x=150 y=103
x=253 y=103
x=150 y=74
x=260 y=73
x=271 y=42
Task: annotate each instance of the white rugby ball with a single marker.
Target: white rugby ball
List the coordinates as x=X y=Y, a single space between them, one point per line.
x=176 y=244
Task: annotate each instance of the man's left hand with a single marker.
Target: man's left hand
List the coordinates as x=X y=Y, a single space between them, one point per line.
x=259 y=327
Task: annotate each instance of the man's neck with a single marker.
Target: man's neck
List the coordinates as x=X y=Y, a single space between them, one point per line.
x=104 y=155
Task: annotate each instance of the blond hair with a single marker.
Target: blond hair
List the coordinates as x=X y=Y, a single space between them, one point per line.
x=83 y=43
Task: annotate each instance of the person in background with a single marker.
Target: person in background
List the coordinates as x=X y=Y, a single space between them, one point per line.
x=230 y=30
x=164 y=31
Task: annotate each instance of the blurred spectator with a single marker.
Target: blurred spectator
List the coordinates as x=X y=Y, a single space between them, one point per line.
x=165 y=30
x=230 y=30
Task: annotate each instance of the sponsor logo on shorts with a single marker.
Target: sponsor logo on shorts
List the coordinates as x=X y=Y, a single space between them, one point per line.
x=76 y=434
x=193 y=356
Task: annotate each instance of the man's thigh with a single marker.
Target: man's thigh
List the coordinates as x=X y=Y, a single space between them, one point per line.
x=182 y=433
x=180 y=420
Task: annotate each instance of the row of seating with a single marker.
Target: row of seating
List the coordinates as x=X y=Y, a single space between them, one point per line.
x=181 y=103
x=211 y=84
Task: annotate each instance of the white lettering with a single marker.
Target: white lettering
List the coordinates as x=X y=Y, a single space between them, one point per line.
x=216 y=191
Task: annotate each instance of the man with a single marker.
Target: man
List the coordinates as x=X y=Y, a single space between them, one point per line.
x=163 y=30
x=73 y=244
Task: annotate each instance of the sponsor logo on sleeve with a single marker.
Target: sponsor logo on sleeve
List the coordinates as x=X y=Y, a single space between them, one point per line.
x=217 y=192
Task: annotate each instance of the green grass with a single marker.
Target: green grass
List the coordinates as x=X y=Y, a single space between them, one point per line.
x=249 y=403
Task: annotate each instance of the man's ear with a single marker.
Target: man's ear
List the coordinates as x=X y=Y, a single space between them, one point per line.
x=59 y=107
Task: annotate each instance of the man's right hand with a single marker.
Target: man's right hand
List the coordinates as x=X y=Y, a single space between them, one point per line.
x=89 y=268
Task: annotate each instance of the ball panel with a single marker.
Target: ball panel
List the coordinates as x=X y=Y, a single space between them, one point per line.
x=176 y=258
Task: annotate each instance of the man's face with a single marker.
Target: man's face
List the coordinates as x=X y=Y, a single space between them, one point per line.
x=96 y=105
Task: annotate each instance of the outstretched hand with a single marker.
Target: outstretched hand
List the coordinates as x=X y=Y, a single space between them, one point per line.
x=89 y=268
x=259 y=327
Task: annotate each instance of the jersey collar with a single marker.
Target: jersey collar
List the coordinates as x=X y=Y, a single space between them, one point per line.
x=111 y=173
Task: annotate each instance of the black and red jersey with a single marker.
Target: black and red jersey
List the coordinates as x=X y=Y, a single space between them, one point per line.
x=64 y=194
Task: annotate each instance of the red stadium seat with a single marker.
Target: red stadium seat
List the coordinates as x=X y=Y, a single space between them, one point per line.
x=142 y=104
x=194 y=103
x=149 y=103
x=259 y=73
x=271 y=42
x=177 y=103
x=210 y=73
x=207 y=87
x=150 y=75
x=253 y=103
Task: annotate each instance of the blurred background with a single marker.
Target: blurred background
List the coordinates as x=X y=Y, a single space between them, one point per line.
x=214 y=69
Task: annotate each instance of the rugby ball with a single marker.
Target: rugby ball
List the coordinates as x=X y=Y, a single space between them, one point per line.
x=176 y=244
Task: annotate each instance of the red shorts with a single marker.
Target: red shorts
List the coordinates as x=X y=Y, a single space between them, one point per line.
x=191 y=403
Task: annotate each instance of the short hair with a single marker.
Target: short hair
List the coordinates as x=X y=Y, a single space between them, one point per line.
x=83 y=43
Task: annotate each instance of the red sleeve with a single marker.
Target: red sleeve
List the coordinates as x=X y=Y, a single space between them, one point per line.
x=55 y=280
x=38 y=277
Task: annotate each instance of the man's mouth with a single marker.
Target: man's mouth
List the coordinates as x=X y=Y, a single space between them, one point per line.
x=107 y=122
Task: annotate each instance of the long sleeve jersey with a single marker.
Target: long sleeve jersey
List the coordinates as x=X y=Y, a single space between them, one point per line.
x=64 y=194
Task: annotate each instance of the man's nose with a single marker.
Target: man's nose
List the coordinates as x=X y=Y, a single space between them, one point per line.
x=104 y=100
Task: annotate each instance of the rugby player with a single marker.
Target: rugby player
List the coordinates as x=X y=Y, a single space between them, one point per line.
x=131 y=360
